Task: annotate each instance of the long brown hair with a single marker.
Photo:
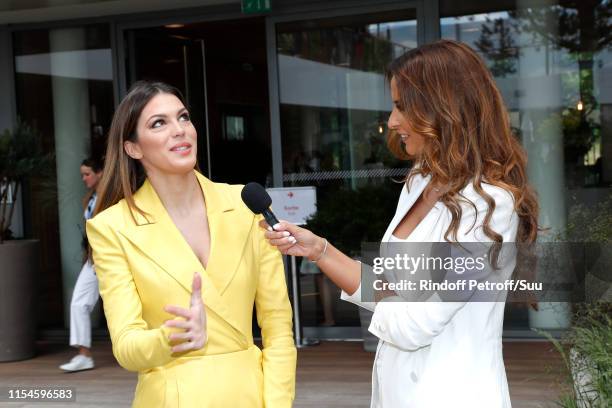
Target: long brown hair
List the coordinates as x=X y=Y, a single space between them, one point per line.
x=96 y=166
x=122 y=174
x=449 y=97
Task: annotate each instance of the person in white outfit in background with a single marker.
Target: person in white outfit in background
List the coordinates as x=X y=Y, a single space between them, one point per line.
x=86 y=292
x=468 y=183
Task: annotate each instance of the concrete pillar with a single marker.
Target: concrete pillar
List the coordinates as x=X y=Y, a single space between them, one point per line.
x=543 y=140
x=72 y=139
x=540 y=104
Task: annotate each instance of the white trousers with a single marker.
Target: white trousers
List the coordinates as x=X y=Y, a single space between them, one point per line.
x=84 y=298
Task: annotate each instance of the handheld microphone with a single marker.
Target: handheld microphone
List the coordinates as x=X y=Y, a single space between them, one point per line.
x=259 y=201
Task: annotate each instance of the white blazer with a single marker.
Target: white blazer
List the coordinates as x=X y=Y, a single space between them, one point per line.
x=442 y=354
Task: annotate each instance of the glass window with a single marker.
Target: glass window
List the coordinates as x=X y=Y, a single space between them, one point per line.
x=552 y=63
x=334 y=108
x=37 y=4
x=64 y=87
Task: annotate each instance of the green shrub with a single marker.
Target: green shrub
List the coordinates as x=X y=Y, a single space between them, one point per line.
x=349 y=217
x=586 y=350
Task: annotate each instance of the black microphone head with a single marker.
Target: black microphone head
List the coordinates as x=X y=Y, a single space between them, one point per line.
x=256 y=197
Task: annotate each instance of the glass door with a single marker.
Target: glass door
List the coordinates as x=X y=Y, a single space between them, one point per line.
x=163 y=54
x=334 y=105
x=221 y=68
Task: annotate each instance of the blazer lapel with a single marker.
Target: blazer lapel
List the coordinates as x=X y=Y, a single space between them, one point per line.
x=406 y=201
x=159 y=239
x=229 y=231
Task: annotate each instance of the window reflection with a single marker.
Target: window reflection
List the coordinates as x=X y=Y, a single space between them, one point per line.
x=561 y=55
x=334 y=108
x=64 y=87
x=551 y=63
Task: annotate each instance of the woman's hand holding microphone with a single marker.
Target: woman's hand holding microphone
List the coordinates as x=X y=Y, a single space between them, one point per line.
x=293 y=240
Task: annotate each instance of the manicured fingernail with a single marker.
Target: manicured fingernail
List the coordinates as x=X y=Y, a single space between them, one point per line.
x=293 y=240
x=270 y=229
x=276 y=226
x=286 y=233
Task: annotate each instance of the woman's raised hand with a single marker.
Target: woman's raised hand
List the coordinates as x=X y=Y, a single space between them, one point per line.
x=195 y=335
x=293 y=240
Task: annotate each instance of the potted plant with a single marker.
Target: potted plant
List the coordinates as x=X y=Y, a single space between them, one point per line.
x=587 y=356
x=586 y=347
x=20 y=157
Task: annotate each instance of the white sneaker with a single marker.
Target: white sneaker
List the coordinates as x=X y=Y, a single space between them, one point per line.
x=78 y=363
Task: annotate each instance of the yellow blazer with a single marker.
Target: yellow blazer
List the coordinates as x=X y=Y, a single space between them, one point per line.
x=144 y=264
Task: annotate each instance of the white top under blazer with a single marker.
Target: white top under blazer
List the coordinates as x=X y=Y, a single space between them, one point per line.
x=442 y=354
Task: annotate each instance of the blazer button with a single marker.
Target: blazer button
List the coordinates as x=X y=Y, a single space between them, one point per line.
x=414 y=377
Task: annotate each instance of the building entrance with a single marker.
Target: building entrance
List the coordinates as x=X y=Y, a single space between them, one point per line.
x=221 y=69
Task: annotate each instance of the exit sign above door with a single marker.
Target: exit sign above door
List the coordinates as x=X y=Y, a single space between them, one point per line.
x=255 y=6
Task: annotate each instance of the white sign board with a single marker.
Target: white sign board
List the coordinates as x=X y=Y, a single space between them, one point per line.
x=293 y=204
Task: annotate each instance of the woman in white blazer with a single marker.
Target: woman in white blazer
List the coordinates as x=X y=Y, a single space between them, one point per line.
x=468 y=184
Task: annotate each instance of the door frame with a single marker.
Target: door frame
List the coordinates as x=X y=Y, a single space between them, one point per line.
x=129 y=77
x=428 y=29
x=121 y=47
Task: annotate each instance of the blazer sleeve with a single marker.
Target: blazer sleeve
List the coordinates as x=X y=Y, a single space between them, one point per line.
x=136 y=346
x=412 y=325
x=356 y=297
x=274 y=316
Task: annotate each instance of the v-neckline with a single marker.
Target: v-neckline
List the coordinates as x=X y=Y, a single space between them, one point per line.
x=419 y=184
x=405 y=214
x=159 y=239
x=180 y=234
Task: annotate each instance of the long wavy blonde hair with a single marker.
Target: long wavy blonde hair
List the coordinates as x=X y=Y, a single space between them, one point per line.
x=449 y=97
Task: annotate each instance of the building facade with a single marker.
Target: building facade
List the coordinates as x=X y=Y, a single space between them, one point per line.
x=294 y=95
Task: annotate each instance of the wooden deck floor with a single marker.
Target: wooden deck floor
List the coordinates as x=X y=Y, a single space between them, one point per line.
x=333 y=374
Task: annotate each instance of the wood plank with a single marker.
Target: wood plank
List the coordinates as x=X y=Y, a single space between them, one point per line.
x=333 y=374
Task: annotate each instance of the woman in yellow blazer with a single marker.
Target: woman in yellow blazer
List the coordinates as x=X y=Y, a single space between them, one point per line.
x=181 y=262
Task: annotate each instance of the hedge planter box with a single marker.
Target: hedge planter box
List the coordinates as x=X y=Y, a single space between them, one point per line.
x=18 y=268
